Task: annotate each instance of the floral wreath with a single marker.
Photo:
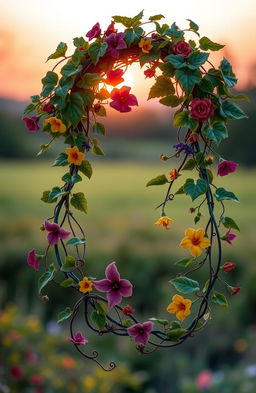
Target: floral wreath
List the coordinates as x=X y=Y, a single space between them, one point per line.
x=71 y=103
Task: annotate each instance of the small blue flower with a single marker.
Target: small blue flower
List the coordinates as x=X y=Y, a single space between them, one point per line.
x=182 y=146
x=86 y=145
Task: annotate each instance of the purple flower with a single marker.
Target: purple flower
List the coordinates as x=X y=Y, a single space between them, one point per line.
x=55 y=232
x=31 y=123
x=115 y=287
x=182 y=146
x=115 y=42
x=229 y=237
x=78 y=339
x=33 y=260
x=226 y=167
x=94 y=32
x=122 y=99
x=141 y=332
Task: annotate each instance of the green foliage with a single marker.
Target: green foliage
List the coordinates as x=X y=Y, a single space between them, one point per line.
x=162 y=322
x=80 y=43
x=156 y=17
x=49 y=82
x=182 y=119
x=229 y=223
x=176 y=334
x=231 y=111
x=96 y=149
x=185 y=262
x=190 y=164
x=171 y=100
x=89 y=80
x=99 y=128
x=227 y=73
x=60 y=51
x=217 y=132
x=185 y=285
x=55 y=193
x=79 y=202
x=195 y=189
x=69 y=264
x=196 y=60
x=129 y=22
x=193 y=26
x=45 y=197
x=72 y=179
x=132 y=35
x=206 y=44
x=70 y=69
x=86 y=168
x=221 y=194
x=67 y=283
x=188 y=78
x=63 y=315
x=162 y=87
x=61 y=160
x=154 y=54
x=46 y=278
x=157 y=181
x=99 y=319
x=97 y=50
x=219 y=298
x=75 y=241
x=74 y=109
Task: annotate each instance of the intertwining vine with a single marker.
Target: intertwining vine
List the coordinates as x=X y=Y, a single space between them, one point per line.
x=70 y=104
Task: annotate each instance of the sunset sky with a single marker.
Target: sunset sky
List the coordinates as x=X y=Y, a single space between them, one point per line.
x=31 y=29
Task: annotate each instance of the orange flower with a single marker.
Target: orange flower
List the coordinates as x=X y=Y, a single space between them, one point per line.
x=174 y=174
x=180 y=307
x=145 y=45
x=85 y=285
x=195 y=241
x=165 y=221
x=56 y=124
x=75 y=156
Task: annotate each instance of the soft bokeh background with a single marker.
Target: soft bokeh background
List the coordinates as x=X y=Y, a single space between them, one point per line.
x=119 y=224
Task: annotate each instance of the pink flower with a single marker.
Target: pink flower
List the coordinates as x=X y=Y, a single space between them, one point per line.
x=114 y=77
x=204 y=379
x=201 y=109
x=49 y=108
x=141 y=332
x=94 y=32
x=115 y=287
x=78 y=339
x=229 y=237
x=33 y=260
x=226 y=167
x=128 y=310
x=31 y=123
x=181 y=48
x=115 y=42
x=16 y=372
x=55 y=232
x=149 y=73
x=111 y=29
x=122 y=100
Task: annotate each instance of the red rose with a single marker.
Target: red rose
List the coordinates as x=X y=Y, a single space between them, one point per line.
x=201 y=109
x=128 y=310
x=181 y=48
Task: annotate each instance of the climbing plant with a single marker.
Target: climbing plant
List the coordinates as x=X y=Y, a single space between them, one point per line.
x=74 y=97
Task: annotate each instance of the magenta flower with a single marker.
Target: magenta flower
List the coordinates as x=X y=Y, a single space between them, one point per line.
x=31 y=123
x=55 y=232
x=111 y=29
x=115 y=287
x=141 y=332
x=114 y=77
x=226 y=167
x=115 y=42
x=33 y=260
x=94 y=32
x=78 y=339
x=229 y=237
x=122 y=99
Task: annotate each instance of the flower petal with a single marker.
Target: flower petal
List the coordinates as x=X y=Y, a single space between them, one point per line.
x=63 y=234
x=142 y=338
x=50 y=226
x=114 y=298
x=53 y=238
x=102 y=285
x=205 y=242
x=112 y=273
x=199 y=233
x=190 y=232
x=186 y=243
x=148 y=326
x=134 y=329
x=125 y=288
x=196 y=251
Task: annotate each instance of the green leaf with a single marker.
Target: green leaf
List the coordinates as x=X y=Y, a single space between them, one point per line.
x=60 y=51
x=69 y=264
x=159 y=180
x=188 y=78
x=56 y=192
x=154 y=54
x=75 y=241
x=195 y=189
x=96 y=50
x=61 y=92
x=227 y=73
x=174 y=31
x=99 y=128
x=86 y=168
x=184 y=262
x=46 y=277
x=101 y=111
x=89 y=80
x=29 y=108
x=180 y=191
x=133 y=35
x=206 y=85
x=45 y=197
x=167 y=69
x=229 y=223
x=162 y=322
x=96 y=149
x=156 y=17
x=72 y=179
x=185 y=285
x=178 y=61
x=64 y=315
x=76 y=57
x=101 y=306
x=43 y=148
x=74 y=109
x=229 y=94
x=128 y=22
x=88 y=97
x=196 y=60
x=206 y=44
x=70 y=69
x=182 y=119
x=35 y=98
x=61 y=160
x=220 y=299
x=190 y=164
x=67 y=283
x=49 y=82
x=176 y=334
x=99 y=319
x=79 y=202
x=171 y=100
x=80 y=43
x=221 y=194
x=217 y=132
x=162 y=87
x=193 y=26
x=232 y=111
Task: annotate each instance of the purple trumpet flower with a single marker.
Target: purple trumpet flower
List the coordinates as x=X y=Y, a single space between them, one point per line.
x=141 y=332
x=55 y=232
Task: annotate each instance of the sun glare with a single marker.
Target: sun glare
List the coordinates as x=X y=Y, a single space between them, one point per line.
x=128 y=79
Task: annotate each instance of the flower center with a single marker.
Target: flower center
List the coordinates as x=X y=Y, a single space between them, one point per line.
x=75 y=156
x=141 y=331
x=181 y=306
x=116 y=285
x=195 y=241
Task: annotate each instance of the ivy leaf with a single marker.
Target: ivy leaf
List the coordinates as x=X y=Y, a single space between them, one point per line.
x=182 y=119
x=196 y=60
x=69 y=264
x=193 y=26
x=70 y=69
x=86 y=168
x=64 y=314
x=79 y=202
x=67 y=283
x=227 y=73
x=159 y=180
x=133 y=35
x=229 y=223
x=231 y=111
x=176 y=334
x=151 y=56
x=97 y=50
x=178 y=61
x=88 y=97
x=49 y=82
x=99 y=128
x=171 y=100
x=162 y=322
x=29 y=109
x=96 y=149
x=206 y=44
x=167 y=69
x=99 y=319
x=220 y=299
x=156 y=17
x=74 y=109
x=128 y=22
x=221 y=194
x=190 y=164
x=174 y=31
x=80 y=43
x=188 y=78
x=195 y=189
x=217 y=132
x=162 y=87
x=60 y=51
x=75 y=241
x=72 y=179
x=185 y=285
x=45 y=197
x=56 y=192
x=184 y=262
x=61 y=160
x=46 y=277
x=89 y=80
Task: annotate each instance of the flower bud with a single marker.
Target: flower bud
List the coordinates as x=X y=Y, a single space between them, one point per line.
x=163 y=157
x=228 y=266
x=235 y=290
x=128 y=310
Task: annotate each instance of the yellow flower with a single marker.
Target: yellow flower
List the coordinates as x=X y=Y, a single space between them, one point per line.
x=89 y=383
x=56 y=124
x=85 y=285
x=165 y=221
x=180 y=307
x=75 y=156
x=145 y=45
x=195 y=241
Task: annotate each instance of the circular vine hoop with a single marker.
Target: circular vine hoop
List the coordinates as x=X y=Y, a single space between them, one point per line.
x=70 y=104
